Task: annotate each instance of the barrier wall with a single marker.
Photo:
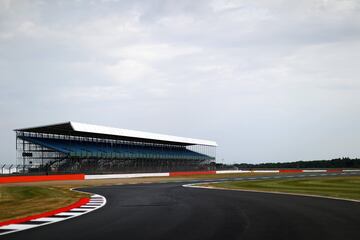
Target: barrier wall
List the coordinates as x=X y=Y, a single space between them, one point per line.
x=334 y=170
x=232 y=171
x=315 y=171
x=290 y=170
x=131 y=175
x=246 y=171
x=173 y=174
x=17 y=179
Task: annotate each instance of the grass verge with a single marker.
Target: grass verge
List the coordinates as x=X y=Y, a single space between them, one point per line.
x=338 y=187
x=23 y=201
x=19 y=200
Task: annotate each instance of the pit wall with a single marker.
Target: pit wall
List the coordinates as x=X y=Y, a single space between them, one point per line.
x=18 y=179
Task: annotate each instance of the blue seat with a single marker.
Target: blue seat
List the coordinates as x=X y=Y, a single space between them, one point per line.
x=85 y=149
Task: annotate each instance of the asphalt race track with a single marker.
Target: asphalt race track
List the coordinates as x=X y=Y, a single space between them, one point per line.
x=170 y=211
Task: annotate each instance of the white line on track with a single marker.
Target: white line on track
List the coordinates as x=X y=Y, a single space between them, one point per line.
x=80 y=209
x=48 y=219
x=69 y=214
x=198 y=185
x=18 y=226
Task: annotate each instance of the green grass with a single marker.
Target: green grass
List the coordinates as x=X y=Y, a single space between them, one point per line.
x=339 y=187
x=22 y=201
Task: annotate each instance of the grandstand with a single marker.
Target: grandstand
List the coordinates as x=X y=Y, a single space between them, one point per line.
x=79 y=147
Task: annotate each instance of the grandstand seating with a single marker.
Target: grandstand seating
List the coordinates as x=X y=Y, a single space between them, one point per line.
x=87 y=149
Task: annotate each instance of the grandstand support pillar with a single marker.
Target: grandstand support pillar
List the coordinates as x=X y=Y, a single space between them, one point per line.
x=42 y=156
x=23 y=156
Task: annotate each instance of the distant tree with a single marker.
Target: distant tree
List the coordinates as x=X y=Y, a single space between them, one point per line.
x=344 y=162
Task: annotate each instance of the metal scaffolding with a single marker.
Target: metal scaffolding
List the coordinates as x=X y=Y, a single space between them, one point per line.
x=67 y=150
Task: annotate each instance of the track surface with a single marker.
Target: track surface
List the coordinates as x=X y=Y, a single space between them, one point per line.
x=170 y=211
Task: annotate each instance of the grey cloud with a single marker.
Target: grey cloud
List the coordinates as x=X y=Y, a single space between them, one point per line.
x=269 y=80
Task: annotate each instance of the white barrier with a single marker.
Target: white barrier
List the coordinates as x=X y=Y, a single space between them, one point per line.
x=318 y=170
x=246 y=171
x=130 y=175
x=232 y=171
x=167 y=174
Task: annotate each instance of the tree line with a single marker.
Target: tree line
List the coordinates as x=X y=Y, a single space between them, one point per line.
x=344 y=162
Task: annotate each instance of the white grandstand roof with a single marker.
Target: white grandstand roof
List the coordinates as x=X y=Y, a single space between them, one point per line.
x=96 y=129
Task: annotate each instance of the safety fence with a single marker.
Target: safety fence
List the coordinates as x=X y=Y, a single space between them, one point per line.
x=139 y=166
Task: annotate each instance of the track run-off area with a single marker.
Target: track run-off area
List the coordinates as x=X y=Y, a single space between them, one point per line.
x=168 y=210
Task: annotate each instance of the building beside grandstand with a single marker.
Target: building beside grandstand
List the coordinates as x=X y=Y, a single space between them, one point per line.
x=79 y=147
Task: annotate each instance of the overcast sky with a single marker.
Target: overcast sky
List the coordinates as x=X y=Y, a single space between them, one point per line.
x=268 y=80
